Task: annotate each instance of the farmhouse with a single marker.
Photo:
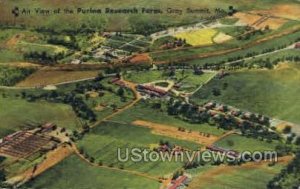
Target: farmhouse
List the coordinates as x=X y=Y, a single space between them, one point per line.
x=118 y=82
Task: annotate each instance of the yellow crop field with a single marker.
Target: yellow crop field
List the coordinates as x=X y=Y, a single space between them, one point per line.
x=198 y=37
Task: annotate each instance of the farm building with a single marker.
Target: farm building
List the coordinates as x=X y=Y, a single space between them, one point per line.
x=152 y=91
x=117 y=81
x=48 y=127
x=297 y=46
x=179 y=182
x=76 y=61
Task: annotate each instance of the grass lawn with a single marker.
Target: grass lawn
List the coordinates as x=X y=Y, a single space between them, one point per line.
x=10 y=56
x=235 y=177
x=76 y=174
x=15 y=113
x=143 y=111
x=228 y=21
x=270 y=92
x=187 y=79
x=144 y=76
x=242 y=143
x=103 y=142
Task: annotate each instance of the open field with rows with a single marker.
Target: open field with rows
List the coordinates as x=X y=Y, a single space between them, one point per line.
x=167 y=79
x=111 y=136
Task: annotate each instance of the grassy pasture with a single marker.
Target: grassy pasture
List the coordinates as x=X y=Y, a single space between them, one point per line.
x=76 y=174
x=143 y=111
x=234 y=177
x=241 y=143
x=270 y=92
x=15 y=42
x=18 y=112
x=103 y=142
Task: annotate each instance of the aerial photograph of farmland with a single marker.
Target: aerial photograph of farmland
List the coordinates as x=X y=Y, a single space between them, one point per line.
x=157 y=94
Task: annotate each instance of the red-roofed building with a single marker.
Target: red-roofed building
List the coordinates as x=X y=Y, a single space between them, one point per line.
x=178 y=182
x=151 y=90
x=117 y=81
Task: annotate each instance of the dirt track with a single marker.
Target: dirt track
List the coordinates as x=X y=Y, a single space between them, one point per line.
x=52 y=158
x=171 y=131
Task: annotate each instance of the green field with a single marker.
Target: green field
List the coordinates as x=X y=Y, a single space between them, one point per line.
x=16 y=113
x=102 y=143
x=270 y=92
x=241 y=143
x=235 y=177
x=187 y=80
x=143 y=111
x=14 y=43
x=76 y=174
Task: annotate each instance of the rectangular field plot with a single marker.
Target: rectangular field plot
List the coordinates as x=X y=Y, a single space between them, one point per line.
x=102 y=144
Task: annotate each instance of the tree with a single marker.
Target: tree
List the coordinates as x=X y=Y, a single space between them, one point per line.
x=121 y=92
x=216 y=92
x=287 y=129
x=297 y=141
x=2 y=176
